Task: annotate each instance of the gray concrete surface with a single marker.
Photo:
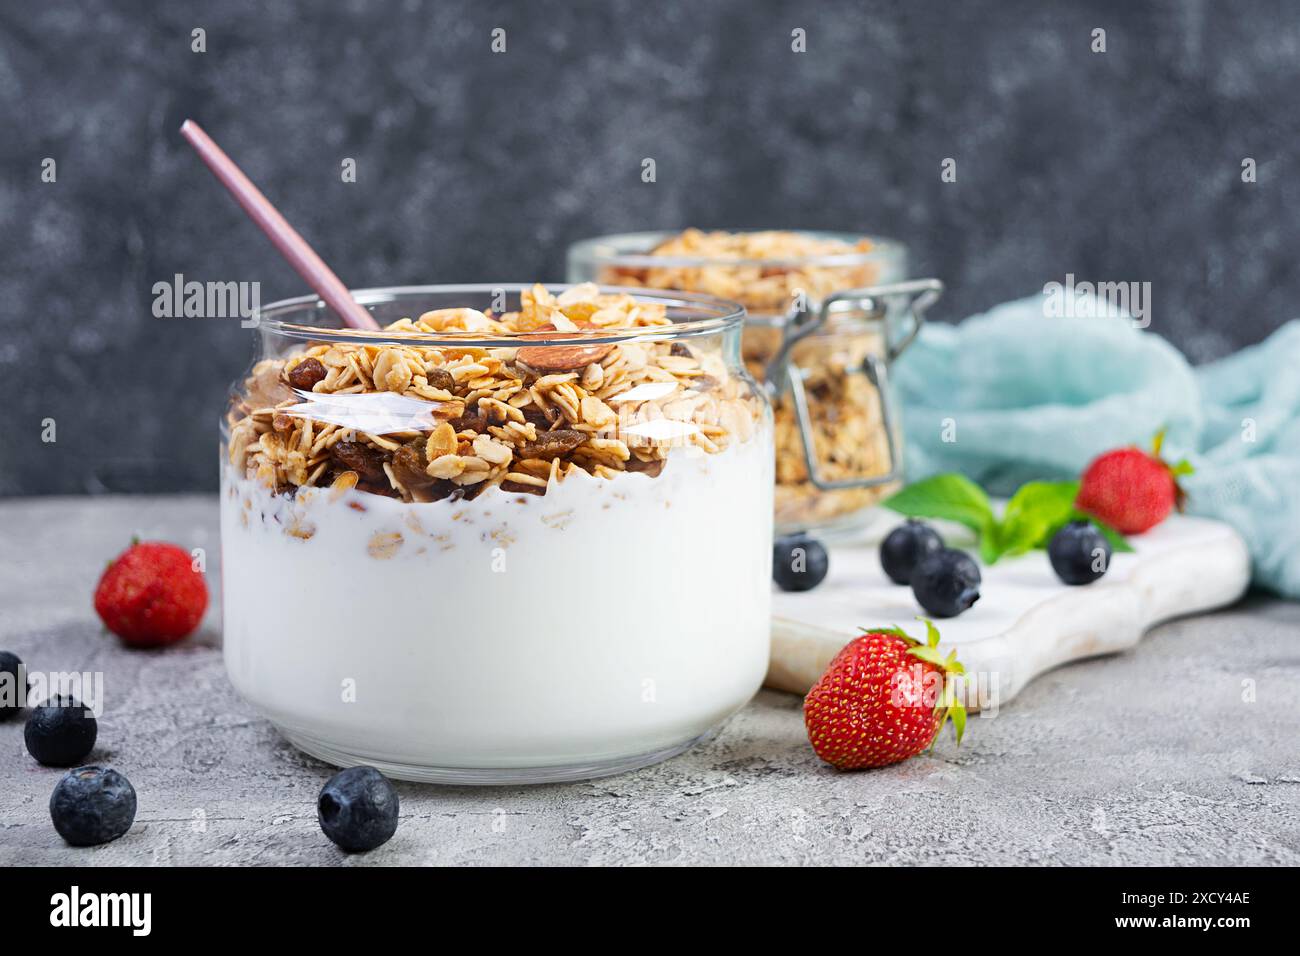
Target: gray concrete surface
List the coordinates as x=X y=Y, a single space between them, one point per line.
x=1153 y=757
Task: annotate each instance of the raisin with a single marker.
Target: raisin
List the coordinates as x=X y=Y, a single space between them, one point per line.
x=444 y=488
x=551 y=444
x=364 y=460
x=375 y=488
x=470 y=492
x=520 y=487
x=541 y=419
x=408 y=466
x=469 y=422
x=306 y=374
x=680 y=350
x=441 y=378
x=651 y=468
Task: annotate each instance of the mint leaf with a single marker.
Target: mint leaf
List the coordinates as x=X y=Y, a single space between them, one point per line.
x=1034 y=513
x=951 y=497
x=991 y=541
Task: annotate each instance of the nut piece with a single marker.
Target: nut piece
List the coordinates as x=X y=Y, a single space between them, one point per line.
x=391 y=371
x=343 y=483
x=442 y=441
x=549 y=359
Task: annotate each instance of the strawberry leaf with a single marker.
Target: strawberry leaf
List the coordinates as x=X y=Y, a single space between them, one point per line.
x=931 y=632
x=953 y=709
x=957 y=711
x=951 y=497
x=895 y=630
x=931 y=655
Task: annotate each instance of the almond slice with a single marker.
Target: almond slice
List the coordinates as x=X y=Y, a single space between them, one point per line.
x=549 y=359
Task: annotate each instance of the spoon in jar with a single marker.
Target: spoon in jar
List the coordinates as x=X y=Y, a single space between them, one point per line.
x=284 y=237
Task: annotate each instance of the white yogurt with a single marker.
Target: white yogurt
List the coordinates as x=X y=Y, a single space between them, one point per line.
x=607 y=620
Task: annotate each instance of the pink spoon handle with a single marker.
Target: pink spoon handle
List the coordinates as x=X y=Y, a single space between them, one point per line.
x=286 y=239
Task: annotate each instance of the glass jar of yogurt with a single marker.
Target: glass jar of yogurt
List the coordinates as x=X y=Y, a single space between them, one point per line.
x=520 y=534
x=828 y=312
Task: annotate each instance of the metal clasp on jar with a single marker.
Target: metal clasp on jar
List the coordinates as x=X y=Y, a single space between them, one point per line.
x=782 y=372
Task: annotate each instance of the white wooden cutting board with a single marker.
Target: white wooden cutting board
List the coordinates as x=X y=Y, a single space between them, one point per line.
x=1026 y=621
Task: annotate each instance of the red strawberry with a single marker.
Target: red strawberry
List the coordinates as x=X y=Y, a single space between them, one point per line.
x=151 y=595
x=1131 y=490
x=883 y=699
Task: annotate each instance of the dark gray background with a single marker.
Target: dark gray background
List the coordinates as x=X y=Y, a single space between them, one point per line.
x=481 y=167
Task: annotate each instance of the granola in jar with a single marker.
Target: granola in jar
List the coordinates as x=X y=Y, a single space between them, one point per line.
x=425 y=422
x=781 y=276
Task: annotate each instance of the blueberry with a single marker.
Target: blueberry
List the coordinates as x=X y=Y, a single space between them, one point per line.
x=946 y=582
x=357 y=808
x=1079 y=553
x=13 y=685
x=92 y=805
x=60 y=732
x=905 y=546
x=799 y=563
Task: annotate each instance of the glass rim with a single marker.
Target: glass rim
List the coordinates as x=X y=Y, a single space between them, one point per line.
x=721 y=315
x=609 y=250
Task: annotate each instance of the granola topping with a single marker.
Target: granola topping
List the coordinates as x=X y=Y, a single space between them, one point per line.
x=429 y=422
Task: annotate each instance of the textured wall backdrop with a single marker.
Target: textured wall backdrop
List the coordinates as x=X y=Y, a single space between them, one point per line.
x=474 y=166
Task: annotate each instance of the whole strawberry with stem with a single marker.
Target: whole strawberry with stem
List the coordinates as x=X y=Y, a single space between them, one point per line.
x=1130 y=489
x=151 y=595
x=883 y=699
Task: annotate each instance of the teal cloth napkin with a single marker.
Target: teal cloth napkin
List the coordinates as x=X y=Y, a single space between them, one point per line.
x=1011 y=396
